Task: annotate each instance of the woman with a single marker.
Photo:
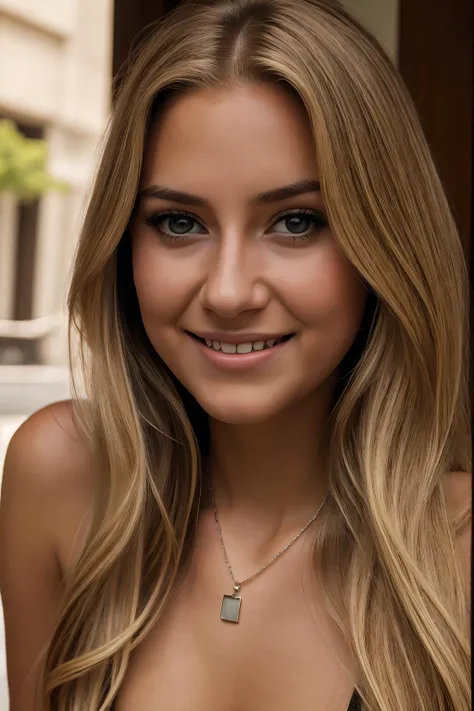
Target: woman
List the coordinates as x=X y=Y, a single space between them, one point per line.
x=260 y=502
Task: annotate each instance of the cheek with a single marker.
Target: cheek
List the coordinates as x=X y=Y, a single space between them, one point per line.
x=160 y=286
x=329 y=299
x=325 y=291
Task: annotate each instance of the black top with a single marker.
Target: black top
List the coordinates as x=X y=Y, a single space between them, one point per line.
x=354 y=703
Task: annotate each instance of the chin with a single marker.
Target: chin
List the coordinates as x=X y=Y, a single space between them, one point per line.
x=243 y=410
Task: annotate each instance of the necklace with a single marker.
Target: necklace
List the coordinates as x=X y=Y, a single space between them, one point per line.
x=231 y=604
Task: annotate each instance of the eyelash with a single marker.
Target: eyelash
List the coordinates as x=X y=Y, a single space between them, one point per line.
x=157 y=218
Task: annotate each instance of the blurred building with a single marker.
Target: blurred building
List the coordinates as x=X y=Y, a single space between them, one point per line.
x=55 y=78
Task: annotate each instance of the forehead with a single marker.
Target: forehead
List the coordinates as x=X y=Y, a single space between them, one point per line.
x=253 y=134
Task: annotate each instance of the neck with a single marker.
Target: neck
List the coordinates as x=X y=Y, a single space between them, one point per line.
x=274 y=471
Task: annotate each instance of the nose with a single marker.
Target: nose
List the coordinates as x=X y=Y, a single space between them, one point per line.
x=234 y=281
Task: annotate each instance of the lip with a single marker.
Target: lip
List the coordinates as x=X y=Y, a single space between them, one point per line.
x=238 y=361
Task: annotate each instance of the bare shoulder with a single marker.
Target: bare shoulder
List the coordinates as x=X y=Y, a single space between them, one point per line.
x=48 y=462
x=458 y=493
x=46 y=494
x=51 y=431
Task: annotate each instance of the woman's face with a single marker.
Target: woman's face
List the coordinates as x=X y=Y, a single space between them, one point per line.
x=227 y=258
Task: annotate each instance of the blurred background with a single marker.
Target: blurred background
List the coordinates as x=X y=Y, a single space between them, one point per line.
x=58 y=59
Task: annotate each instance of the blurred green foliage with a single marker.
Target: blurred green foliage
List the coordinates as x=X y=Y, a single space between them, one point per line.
x=23 y=164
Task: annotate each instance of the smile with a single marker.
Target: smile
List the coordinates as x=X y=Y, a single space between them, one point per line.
x=244 y=347
x=246 y=353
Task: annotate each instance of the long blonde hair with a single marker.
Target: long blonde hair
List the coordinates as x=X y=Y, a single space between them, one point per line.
x=400 y=420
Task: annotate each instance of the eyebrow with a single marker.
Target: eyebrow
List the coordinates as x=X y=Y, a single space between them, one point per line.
x=266 y=198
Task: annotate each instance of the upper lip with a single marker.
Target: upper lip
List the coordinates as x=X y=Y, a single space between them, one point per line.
x=238 y=337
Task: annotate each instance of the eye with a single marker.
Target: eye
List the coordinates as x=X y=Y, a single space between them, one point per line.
x=179 y=224
x=301 y=224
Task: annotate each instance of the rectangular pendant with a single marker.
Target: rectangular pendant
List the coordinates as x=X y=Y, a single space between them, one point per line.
x=230 y=609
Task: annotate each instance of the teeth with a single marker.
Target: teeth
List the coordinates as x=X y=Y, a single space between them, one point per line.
x=242 y=347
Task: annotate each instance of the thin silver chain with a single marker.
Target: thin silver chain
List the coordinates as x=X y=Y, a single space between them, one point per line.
x=237 y=584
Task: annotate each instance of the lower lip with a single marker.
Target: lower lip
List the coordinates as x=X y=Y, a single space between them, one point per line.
x=239 y=361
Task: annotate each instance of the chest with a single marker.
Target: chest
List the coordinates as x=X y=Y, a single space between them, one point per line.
x=284 y=653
